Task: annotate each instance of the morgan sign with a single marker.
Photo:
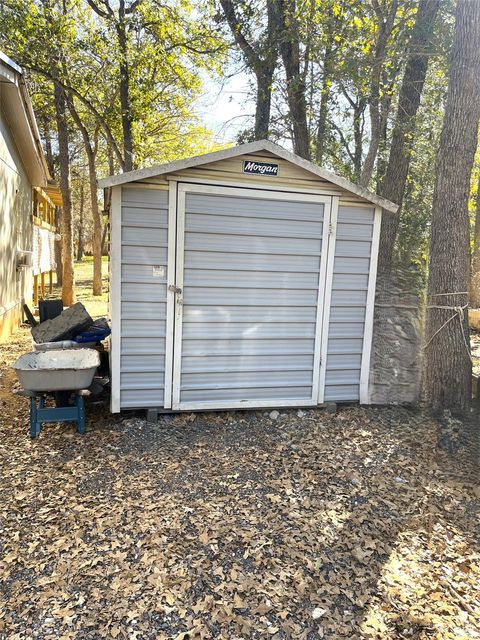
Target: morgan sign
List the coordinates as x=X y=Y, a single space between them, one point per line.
x=260 y=168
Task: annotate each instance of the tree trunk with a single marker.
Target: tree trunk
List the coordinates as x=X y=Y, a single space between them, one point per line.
x=369 y=164
x=97 y=232
x=127 y=118
x=261 y=59
x=289 y=45
x=358 y=112
x=393 y=185
x=104 y=240
x=58 y=248
x=383 y=143
x=80 y=224
x=328 y=61
x=448 y=364
x=385 y=26
x=96 y=215
x=48 y=147
x=68 y=276
x=51 y=169
x=263 y=103
x=475 y=275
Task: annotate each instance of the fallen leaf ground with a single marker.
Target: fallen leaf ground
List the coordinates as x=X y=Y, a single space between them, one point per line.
x=235 y=525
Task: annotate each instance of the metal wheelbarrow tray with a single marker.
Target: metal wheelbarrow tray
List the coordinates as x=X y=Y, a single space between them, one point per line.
x=57 y=370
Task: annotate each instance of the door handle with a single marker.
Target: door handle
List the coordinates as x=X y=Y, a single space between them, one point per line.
x=175 y=289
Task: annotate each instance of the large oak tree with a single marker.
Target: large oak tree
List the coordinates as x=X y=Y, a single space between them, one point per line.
x=448 y=363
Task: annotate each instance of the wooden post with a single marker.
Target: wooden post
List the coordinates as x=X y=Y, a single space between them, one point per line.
x=50 y=281
x=42 y=284
x=35 y=291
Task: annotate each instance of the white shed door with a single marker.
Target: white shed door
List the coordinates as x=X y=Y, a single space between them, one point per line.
x=250 y=276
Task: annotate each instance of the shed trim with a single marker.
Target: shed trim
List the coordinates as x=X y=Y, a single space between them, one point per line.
x=332 y=237
x=115 y=295
x=369 y=311
x=182 y=190
x=322 y=286
x=182 y=179
x=171 y=277
x=249 y=148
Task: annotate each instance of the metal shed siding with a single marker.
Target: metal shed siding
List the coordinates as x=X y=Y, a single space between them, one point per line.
x=144 y=229
x=348 y=303
x=251 y=273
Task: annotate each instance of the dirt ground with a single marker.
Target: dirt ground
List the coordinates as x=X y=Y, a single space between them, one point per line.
x=235 y=525
x=475 y=346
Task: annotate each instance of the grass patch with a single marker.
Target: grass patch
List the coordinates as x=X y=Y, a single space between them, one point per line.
x=96 y=305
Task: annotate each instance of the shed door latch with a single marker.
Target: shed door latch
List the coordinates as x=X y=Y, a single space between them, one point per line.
x=175 y=289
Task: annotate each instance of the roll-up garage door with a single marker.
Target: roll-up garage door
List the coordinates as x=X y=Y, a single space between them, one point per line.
x=250 y=272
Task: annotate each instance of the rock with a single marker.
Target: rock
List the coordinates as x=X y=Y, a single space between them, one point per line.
x=273 y=415
x=301 y=414
x=133 y=423
x=318 y=612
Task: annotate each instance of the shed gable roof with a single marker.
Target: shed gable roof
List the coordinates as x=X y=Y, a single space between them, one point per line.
x=249 y=148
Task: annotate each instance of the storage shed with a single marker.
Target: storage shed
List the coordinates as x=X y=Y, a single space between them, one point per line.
x=241 y=278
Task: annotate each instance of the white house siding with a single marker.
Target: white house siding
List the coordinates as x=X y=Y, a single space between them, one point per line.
x=348 y=302
x=15 y=231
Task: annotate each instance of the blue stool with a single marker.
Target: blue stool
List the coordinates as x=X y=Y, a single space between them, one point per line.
x=40 y=414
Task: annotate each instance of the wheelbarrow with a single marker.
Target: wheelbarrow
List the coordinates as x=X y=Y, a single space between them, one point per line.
x=44 y=373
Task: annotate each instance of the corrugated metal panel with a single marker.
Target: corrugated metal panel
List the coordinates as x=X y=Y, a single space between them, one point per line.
x=260 y=313
x=250 y=297
x=135 y=328
x=345 y=345
x=138 y=398
x=136 y=292
x=237 y=208
x=254 y=226
x=144 y=297
x=143 y=236
x=256 y=363
x=348 y=302
x=144 y=255
x=342 y=393
x=349 y=248
x=251 y=244
x=146 y=310
x=348 y=298
x=246 y=347
x=249 y=262
x=251 y=271
x=247 y=330
x=350 y=214
x=256 y=279
x=277 y=395
x=138 y=346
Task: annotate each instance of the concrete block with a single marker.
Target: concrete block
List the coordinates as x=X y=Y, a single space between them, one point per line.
x=331 y=407
x=152 y=416
x=68 y=324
